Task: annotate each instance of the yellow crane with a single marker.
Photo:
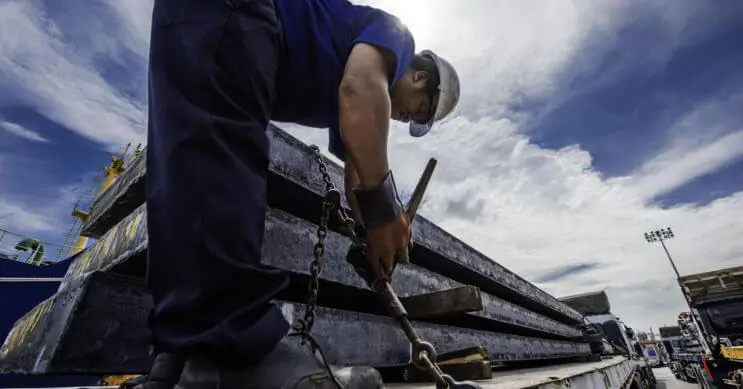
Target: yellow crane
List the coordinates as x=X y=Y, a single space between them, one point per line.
x=111 y=173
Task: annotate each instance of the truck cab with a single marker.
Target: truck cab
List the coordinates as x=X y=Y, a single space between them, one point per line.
x=712 y=333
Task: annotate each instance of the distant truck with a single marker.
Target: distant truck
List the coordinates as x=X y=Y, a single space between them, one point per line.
x=653 y=355
x=671 y=338
x=709 y=348
x=652 y=349
x=621 y=339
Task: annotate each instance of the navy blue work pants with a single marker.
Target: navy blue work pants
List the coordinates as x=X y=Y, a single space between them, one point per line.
x=213 y=66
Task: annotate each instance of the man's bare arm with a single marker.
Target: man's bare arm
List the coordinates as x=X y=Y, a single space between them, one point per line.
x=364 y=108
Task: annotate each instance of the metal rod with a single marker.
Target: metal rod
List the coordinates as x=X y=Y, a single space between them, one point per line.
x=4 y=231
x=420 y=189
x=384 y=289
x=31 y=279
x=697 y=323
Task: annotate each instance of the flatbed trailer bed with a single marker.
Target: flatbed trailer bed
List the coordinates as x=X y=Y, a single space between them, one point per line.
x=611 y=372
x=614 y=372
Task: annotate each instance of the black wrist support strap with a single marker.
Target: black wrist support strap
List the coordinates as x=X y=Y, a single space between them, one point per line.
x=380 y=205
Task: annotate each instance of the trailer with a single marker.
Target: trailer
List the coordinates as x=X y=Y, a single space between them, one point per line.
x=617 y=338
x=616 y=372
x=487 y=324
x=671 y=338
x=716 y=319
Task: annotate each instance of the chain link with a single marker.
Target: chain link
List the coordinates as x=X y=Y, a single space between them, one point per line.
x=331 y=204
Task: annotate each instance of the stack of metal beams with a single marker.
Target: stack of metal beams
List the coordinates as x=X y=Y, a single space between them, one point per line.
x=459 y=298
x=591 y=303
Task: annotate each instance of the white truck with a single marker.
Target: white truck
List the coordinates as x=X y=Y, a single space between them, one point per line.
x=710 y=337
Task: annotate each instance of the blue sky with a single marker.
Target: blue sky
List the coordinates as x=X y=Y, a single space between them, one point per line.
x=581 y=125
x=640 y=103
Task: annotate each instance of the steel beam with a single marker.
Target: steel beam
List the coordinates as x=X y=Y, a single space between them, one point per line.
x=377 y=340
x=123 y=196
x=591 y=303
x=435 y=249
x=288 y=245
x=294 y=239
x=463 y=299
x=27 y=334
x=100 y=328
x=295 y=184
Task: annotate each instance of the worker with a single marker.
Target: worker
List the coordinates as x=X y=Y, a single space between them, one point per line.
x=219 y=70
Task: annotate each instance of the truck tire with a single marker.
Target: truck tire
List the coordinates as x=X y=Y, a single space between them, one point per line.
x=739 y=378
x=690 y=378
x=637 y=382
x=701 y=378
x=648 y=378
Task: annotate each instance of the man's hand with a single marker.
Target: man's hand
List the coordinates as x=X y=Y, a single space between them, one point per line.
x=388 y=245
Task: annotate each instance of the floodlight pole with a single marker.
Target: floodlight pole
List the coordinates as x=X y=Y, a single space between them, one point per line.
x=669 y=235
x=661 y=236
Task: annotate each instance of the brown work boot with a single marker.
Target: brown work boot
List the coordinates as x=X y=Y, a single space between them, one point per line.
x=289 y=365
x=165 y=373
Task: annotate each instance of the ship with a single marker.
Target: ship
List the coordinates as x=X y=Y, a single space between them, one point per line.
x=28 y=276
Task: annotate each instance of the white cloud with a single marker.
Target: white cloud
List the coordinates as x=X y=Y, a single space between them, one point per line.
x=505 y=52
x=23 y=132
x=43 y=217
x=33 y=202
x=703 y=141
x=531 y=209
x=14 y=217
x=47 y=74
x=134 y=22
x=678 y=166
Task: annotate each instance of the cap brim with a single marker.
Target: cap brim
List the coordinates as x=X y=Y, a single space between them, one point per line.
x=419 y=129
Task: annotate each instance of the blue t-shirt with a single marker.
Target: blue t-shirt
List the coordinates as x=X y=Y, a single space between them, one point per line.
x=318 y=38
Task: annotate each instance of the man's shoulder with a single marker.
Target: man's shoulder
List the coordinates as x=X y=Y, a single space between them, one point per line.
x=367 y=16
x=344 y=13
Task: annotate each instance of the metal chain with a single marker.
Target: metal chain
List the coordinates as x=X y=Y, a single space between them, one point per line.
x=316 y=267
x=333 y=195
x=331 y=206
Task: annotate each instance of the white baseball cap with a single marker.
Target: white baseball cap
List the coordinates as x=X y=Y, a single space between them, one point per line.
x=446 y=97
